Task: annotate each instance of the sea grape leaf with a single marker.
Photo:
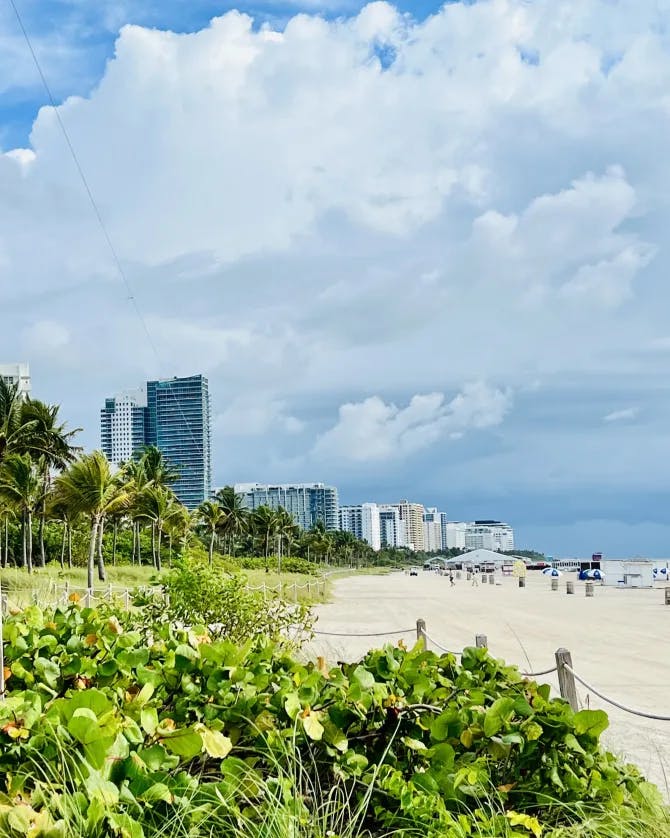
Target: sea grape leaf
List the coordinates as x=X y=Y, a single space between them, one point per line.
x=498 y=715
x=591 y=722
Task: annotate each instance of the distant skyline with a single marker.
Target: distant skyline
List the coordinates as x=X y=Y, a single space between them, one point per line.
x=418 y=250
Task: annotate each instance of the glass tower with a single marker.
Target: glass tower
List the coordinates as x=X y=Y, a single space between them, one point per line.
x=178 y=422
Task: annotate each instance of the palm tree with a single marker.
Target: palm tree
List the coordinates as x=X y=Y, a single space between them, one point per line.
x=211 y=516
x=178 y=525
x=156 y=504
x=59 y=511
x=88 y=487
x=54 y=443
x=21 y=487
x=287 y=532
x=156 y=468
x=264 y=522
x=15 y=434
x=237 y=515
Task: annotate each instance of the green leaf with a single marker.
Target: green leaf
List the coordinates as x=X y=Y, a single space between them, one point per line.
x=158 y=791
x=498 y=715
x=214 y=742
x=185 y=743
x=149 y=720
x=18 y=819
x=125 y=826
x=292 y=705
x=48 y=671
x=363 y=677
x=531 y=730
x=312 y=725
x=413 y=744
x=591 y=722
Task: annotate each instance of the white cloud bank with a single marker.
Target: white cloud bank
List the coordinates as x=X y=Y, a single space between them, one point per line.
x=373 y=430
x=306 y=225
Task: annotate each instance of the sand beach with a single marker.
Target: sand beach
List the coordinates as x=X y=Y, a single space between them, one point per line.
x=617 y=639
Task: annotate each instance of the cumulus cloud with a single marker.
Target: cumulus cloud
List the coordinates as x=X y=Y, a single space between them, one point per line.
x=374 y=430
x=372 y=204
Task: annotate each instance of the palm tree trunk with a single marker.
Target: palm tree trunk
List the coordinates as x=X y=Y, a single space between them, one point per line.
x=24 y=556
x=132 y=558
x=69 y=545
x=153 y=543
x=116 y=532
x=211 y=549
x=43 y=557
x=91 y=551
x=170 y=550
x=139 y=544
x=158 y=548
x=101 y=562
x=29 y=539
x=62 y=547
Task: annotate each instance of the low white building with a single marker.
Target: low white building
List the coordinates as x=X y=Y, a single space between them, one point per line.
x=481 y=558
x=628 y=573
x=17 y=374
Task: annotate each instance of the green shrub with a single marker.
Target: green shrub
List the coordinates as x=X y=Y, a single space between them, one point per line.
x=123 y=731
x=288 y=565
x=195 y=594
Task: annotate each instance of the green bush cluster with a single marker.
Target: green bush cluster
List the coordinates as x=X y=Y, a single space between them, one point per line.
x=111 y=730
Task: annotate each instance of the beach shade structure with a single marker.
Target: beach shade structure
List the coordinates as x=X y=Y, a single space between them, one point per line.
x=596 y=574
x=551 y=571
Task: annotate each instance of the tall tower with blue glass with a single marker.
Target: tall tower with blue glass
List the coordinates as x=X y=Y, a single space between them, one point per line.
x=178 y=422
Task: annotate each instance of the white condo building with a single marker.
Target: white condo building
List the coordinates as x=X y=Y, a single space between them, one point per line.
x=455 y=535
x=363 y=521
x=392 y=529
x=489 y=535
x=123 y=426
x=17 y=374
x=432 y=530
x=306 y=502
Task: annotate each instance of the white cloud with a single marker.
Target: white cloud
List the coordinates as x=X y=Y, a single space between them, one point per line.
x=46 y=336
x=623 y=415
x=305 y=226
x=373 y=430
x=256 y=415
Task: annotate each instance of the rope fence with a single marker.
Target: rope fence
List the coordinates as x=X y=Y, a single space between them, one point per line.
x=563 y=668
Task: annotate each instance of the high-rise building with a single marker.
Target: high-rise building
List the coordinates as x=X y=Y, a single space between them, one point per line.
x=173 y=415
x=123 y=426
x=363 y=521
x=178 y=422
x=17 y=374
x=306 y=502
x=432 y=531
x=412 y=515
x=392 y=530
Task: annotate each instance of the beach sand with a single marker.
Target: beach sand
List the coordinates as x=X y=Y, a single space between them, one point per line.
x=617 y=640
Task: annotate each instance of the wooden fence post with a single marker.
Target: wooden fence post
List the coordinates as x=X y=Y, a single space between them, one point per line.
x=421 y=632
x=481 y=642
x=566 y=680
x=126 y=599
x=88 y=596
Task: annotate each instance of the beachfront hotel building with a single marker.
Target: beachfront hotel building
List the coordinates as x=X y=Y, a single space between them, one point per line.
x=412 y=515
x=432 y=530
x=123 y=422
x=174 y=415
x=392 y=531
x=19 y=374
x=363 y=521
x=489 y=535
x=307 y=503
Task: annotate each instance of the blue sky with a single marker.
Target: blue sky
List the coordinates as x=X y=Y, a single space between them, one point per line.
x=419 y=251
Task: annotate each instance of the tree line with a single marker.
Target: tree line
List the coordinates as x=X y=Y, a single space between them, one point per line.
x=58 y=503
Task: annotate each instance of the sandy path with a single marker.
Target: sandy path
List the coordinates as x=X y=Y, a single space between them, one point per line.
x=616 y=639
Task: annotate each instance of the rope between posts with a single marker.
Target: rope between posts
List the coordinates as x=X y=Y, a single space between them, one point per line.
x=439 y=645
x=613 y=702
x=537 y=674
x=366 y=634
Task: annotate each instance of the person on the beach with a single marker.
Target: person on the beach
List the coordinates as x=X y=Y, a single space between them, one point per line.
x=451 y=578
